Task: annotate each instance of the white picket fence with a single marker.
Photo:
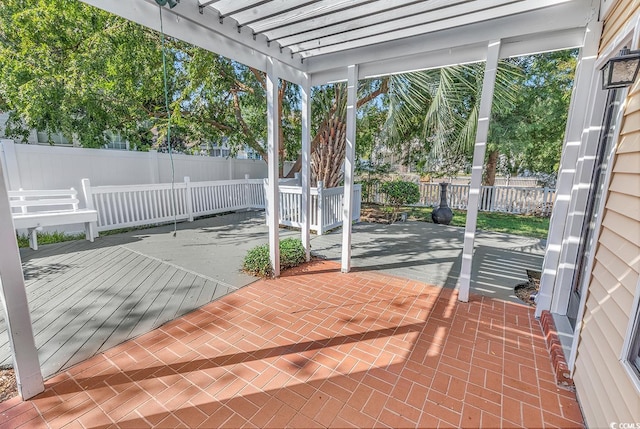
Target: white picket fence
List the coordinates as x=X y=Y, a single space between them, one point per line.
x=326 y=207
x=126 y=206
x=505 y=199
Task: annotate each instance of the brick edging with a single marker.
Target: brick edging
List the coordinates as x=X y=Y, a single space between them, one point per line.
x=558 y=360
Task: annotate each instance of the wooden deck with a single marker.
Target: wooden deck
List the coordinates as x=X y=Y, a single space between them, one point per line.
x=88 y=297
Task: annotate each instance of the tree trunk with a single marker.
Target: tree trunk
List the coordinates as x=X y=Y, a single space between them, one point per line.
x=329 y=153
x=490 y=170
x=383 y=89
x=282 y=152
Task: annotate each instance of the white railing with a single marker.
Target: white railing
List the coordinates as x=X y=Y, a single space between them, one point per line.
x=326 y=207
x=505 y=199
x=223 y=196
x=136 y=205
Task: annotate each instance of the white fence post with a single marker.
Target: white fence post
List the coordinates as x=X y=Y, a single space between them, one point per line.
x=320 y=205
x=188 y=199
x=11 y=167
x=247 y=196
x=88 y=202
x=231 y=168
x=153 y=166
x=545 y=197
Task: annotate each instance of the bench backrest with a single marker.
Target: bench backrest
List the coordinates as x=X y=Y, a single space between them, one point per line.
x=43 y=200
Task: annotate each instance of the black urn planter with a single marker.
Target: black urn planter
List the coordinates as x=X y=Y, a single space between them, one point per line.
x=442 y=214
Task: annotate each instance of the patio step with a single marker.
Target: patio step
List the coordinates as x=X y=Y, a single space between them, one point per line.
x=558 y=359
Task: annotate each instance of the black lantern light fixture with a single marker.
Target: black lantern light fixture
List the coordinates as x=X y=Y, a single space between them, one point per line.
x=171 y=3
x=620 y=71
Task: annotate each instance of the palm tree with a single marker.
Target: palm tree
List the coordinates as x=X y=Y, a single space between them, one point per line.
x=440 y=109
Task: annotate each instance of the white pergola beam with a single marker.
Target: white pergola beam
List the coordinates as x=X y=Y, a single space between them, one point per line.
x=13 y=296
x=273 y=194
x=484 y=114
x=356 y=25
x=529 y=25
x=349 y=163
x=471 y=53
x=186 y=23
x=306 y=162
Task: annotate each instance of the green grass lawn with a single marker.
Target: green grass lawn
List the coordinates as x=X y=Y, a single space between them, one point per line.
x=528 y=226
x=49 y=238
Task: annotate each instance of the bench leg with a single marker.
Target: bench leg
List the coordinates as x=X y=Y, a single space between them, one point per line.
x=90 y=231
x=33 y=237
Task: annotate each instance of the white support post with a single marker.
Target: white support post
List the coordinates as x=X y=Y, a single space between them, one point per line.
x=349 y=161
x=13 y=296
x=12 y=172
x=187 y=198
x=305 y=182
x=488 y=84
x=320 y=217
x=273 y=197
x=578 y=129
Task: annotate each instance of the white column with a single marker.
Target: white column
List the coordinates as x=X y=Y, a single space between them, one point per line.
x=13 y=297
x=306 y=160
x=488 y=84
x=581 y=109
x=273 y=196
x=349 y=162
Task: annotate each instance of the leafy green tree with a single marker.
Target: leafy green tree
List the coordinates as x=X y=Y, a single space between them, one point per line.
x=67 y=67
x=71 y=68
x=529 y=136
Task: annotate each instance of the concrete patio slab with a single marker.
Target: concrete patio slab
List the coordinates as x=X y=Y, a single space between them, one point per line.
x=432 y=254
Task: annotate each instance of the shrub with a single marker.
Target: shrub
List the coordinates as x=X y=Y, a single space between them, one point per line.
x=400 y=193
x=257 y=261
x=292 y=253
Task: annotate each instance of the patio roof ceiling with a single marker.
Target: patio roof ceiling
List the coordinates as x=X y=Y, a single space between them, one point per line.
x=323 y=37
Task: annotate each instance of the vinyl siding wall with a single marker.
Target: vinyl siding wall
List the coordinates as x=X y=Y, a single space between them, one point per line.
x=604 y=389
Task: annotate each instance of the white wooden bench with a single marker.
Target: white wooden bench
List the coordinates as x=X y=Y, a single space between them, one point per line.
x=33 y=210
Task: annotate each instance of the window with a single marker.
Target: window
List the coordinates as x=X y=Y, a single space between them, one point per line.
x=635 y=358
x=631 y=349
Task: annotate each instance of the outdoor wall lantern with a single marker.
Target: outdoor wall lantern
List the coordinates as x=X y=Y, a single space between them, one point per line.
x=172 y=3
x=620 y=71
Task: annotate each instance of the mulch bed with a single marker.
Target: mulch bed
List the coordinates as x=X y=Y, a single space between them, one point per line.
x=526 y=292
x=8 y=385
x=373 y=213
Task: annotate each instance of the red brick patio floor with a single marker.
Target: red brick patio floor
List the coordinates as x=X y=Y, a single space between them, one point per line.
x=317 y=348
